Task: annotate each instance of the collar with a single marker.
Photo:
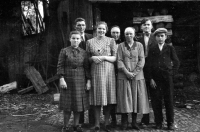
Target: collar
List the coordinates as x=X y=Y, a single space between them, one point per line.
x=83 y=34
x=78 y=48
x=161 y=44
x=147 y=33
x=128 y=47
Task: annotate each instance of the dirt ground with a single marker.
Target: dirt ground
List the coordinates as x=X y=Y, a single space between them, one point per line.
x=37 y=113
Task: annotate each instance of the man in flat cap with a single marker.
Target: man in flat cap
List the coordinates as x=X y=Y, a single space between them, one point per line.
x=161 y=70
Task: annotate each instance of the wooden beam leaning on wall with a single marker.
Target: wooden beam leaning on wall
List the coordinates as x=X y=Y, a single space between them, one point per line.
x=36 y=79
x=52 y=79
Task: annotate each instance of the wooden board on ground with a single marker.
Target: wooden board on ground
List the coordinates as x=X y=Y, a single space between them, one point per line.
x=25 y=90
x=154 y=19
x=8 y=87
x=36 y=80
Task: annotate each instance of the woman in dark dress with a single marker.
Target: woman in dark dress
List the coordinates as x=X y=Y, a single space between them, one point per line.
x=73 y=68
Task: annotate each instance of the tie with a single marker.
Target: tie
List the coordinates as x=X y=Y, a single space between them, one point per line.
x=147 y=34
x=82 y=38
x=146 y=40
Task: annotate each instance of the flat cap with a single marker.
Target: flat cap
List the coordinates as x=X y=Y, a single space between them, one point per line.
x=160 y=30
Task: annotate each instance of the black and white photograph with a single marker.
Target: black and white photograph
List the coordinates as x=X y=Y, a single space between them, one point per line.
x=100 y=66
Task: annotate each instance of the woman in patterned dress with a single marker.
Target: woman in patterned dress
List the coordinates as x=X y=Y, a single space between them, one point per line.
x=102 y=52
x=132 y=97
x=73 y=68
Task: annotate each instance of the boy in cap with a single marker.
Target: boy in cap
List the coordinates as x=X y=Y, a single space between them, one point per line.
x=161 y=56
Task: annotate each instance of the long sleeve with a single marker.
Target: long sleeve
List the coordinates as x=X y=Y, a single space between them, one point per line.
x=141 y=59
x=61 y=63
x=88 y=48
x=86 y=66
x=174 y=57
x=89 y=54
x=149 y=68
x=120 y=60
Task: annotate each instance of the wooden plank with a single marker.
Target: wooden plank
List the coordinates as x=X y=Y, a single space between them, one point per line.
x=198 y=53
x=154 y=19
x=8 y=87
x=52 y=79
x=135 y=0
x=25 y=90
x=39 y=80
x=36 y=79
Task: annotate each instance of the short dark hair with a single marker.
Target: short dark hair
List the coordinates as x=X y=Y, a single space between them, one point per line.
x=145 y=20
x=74 y=32
x=102 y=22
x=78 y=20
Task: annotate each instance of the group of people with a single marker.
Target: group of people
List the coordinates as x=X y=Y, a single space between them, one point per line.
x=103 y=71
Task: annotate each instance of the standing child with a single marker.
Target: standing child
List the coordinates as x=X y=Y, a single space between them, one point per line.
x=161 y=56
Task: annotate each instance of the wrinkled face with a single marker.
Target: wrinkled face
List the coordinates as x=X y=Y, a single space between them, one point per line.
x=75 y=40
x=161 y=37
x=129 y=34
x=101 y=30
x=115 y=33
x=147 y=26
x=80 y=26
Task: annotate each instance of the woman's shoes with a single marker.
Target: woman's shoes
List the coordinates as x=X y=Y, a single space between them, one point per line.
x=78 y=128
x=135 y=126
x=66 y=129
x=63 y=129
x=124 y=126
x=97 y=129
x=108 y=128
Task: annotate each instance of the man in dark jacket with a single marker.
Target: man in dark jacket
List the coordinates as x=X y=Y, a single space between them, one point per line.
x=80 y=25
x=161 y=70
x=147 y=40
